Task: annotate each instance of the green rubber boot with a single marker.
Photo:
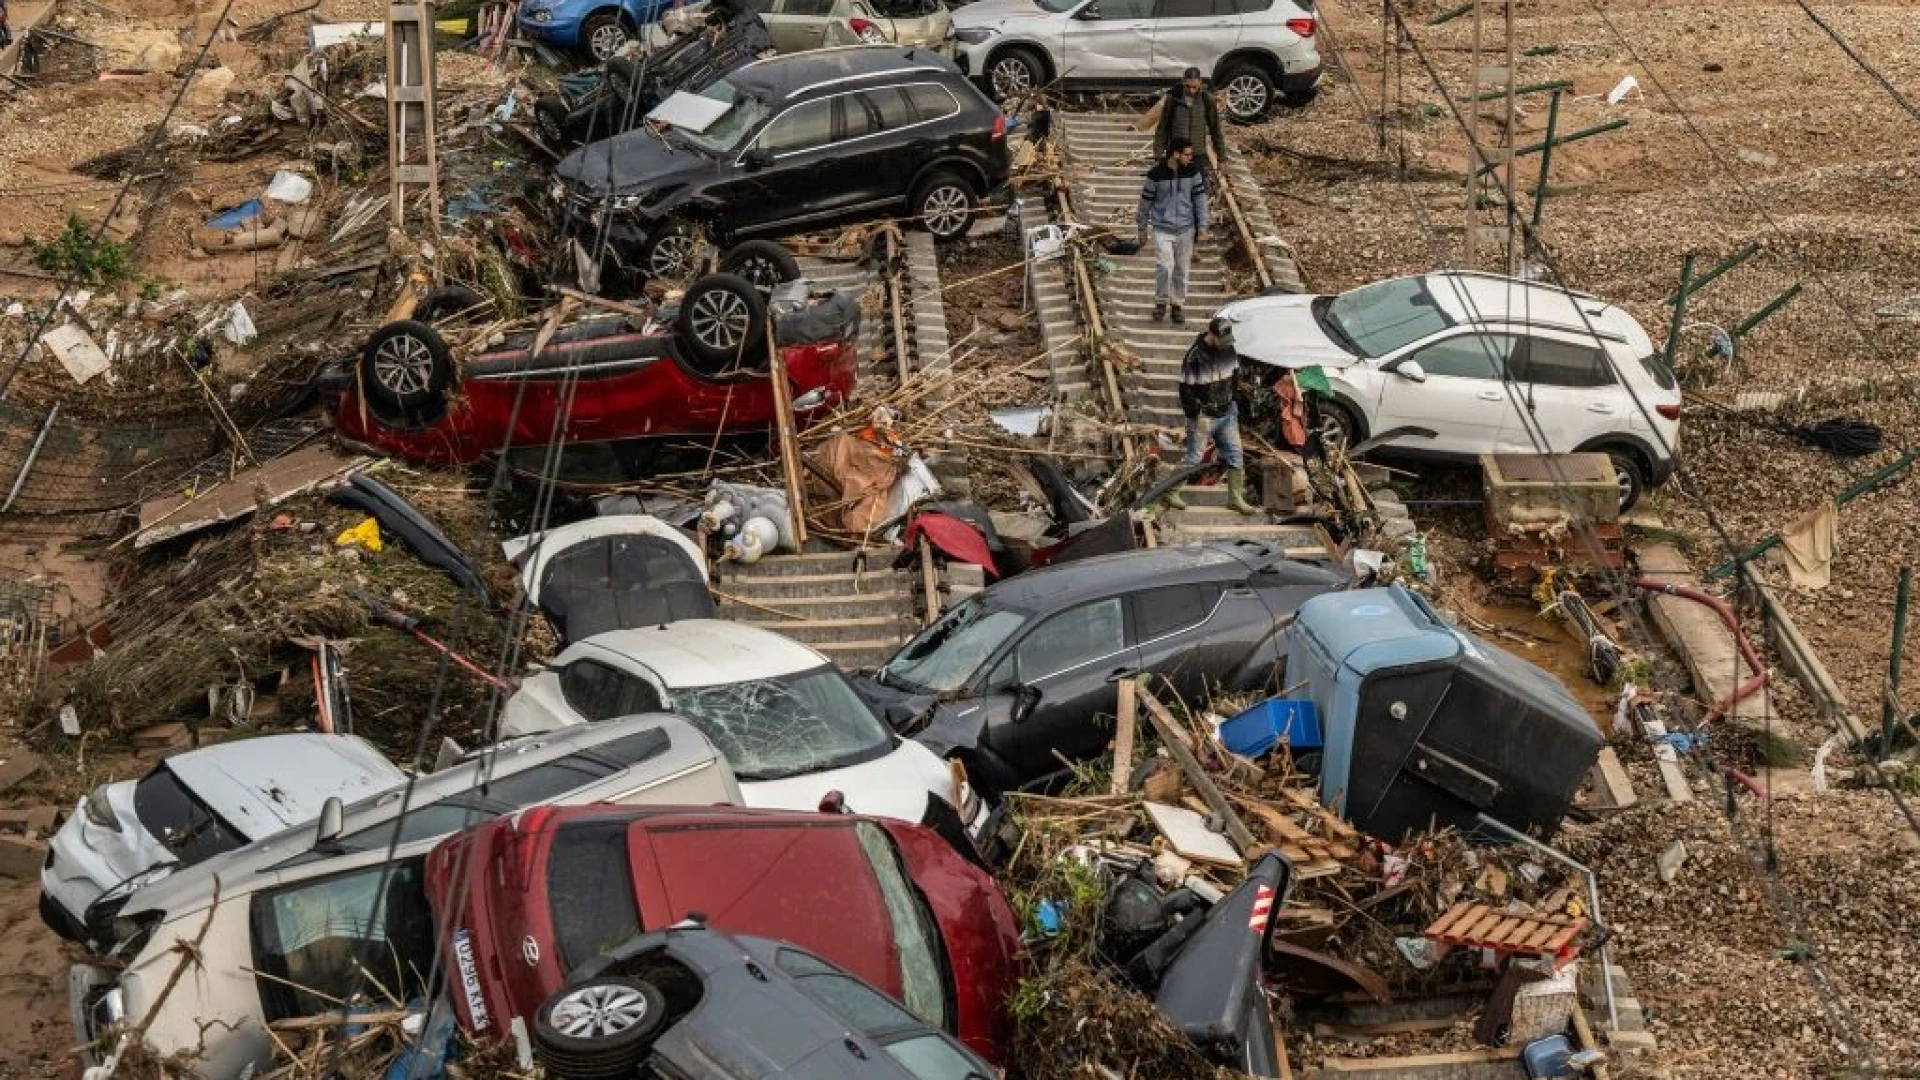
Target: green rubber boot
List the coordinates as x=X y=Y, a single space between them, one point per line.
x=1172 y=500
x=1237 y=493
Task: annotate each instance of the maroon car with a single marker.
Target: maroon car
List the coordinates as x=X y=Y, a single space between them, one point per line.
x=524 y=900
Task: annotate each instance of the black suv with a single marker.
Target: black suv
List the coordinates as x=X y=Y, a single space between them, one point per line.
x=798 y=141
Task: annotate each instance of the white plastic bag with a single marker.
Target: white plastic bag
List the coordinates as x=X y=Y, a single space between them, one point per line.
x=239 y=329
x=290 y=188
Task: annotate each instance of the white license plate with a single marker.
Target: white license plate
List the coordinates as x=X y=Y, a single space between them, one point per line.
x=470 y=978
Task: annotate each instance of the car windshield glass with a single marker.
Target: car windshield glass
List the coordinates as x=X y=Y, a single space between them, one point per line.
x=1385 y=316
x=786 y=725
x=945 y=655
x=590 y=885
x=177 y=818
x=921 y=982
x=733 y=126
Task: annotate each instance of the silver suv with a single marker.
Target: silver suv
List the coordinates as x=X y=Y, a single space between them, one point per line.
x=1256 y=51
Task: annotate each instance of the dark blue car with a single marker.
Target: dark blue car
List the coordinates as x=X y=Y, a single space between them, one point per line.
x=596 y=28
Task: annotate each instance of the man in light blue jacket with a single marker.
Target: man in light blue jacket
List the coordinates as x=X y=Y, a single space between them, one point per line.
x=1173 y=206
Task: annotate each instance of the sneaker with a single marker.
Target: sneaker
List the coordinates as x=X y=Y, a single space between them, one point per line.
x=1177 y=316
x=1159 y=310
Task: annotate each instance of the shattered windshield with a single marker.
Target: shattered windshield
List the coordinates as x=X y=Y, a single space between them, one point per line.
x=733 y=126
x=787 y=725
x=1386 y=315
x=180 y=820
x=944 y=656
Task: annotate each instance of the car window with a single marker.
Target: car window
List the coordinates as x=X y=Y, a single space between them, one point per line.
x=764 y=7
x=631 y=750
x=795 y=962
x=867 y=1009
x=1656 y=366
x=1109 y=10
x=590 y=888
x=1469 y=356
x=743 y=115
x=184 y=824
x=1560 y=363
x=891 y=105
x=1385 y=316
x=365 y=933
x=945 y=655
x=419 y=823
x=933 y=1057
x=855 y=119
x=931 y=101
x=786 y=725
x=599 y=692
x=541 y=783
x=922 y=987
x=808 y=8
x=1251 y=7
x=1172 y=608
x=1187 y=9
x=807 y=126
x=1072 y=638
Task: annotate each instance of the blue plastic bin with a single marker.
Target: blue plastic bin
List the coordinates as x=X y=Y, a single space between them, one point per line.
x=1262 y=727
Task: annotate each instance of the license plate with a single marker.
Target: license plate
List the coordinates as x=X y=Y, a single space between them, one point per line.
x=470 y=978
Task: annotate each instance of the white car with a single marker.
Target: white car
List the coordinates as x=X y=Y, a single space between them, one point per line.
x=789 y=722
x=194 y=806
x=1487 y=363
x=798 y=25
x=1255 y=51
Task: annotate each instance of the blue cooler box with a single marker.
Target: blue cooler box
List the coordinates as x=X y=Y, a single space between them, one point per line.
x=1268 y=724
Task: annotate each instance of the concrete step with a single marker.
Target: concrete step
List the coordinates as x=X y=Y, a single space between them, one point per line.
x=862 y=629
x=859 y=655
x=871 y=586
x=878 y=561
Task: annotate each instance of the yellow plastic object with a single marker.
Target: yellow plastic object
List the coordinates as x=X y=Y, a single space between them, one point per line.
x=366 y=535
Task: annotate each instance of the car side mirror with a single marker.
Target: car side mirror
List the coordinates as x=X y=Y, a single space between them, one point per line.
x=1090 y=13
x=332 y=823
x=757 y=158
x=1025 y=700
x=1411 y=371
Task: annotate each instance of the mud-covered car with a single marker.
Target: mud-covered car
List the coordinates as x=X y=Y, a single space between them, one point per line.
x=697 y=370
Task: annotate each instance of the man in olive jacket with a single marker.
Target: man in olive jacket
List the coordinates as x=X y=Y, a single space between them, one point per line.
x=1189 y=111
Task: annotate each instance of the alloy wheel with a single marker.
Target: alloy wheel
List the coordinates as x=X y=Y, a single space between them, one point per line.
x=1247 y=95
x=1333 y=433
x=720 y=320
x=1010 y=77
x=607 y=40
x=596 y=1012
x=1624 y=479
x=945 y=210
x=403 y=365
x=672 y=257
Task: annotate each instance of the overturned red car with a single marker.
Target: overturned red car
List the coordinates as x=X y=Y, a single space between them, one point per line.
x=696 y=371
x=523 y=900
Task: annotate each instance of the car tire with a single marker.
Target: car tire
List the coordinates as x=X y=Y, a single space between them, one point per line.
x=1339 y=429
x=599 y=1029
x=603 y=33
x=722 y=324
x=1249 y=93
x=670 y=252
x=762 y=262
x=550 y=120
x=404 y=367
x=1628 y=474
x=446 y=302
x=943 y=204
x=1014 y=72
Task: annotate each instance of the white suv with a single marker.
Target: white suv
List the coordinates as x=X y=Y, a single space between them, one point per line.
x=1487 y=363
x=1256 y=51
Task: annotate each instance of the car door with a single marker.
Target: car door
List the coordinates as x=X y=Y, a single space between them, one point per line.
x=1569 y=392
x=1192 y=33
x=798 y=25
x=1065 y=666
x=319 y=941
x=1108 y=41
x=787 y=185
x=907 y=137
x=1172 y=625
x=1457 y=392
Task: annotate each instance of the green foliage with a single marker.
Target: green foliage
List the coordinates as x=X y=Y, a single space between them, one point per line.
x=76 y=253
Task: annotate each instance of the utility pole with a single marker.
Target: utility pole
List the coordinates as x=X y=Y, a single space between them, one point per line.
x=1491 y=68
x=413 y=160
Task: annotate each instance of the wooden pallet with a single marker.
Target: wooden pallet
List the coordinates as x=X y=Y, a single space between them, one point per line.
x=1481 y=927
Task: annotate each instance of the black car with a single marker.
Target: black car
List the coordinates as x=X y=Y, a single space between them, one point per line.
x=1022 y=670
x=798 y=141
x=689 y=1001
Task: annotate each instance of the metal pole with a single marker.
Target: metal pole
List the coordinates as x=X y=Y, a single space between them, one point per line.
x=33 y=454
x=1679 y=310
x=1765 y=313
x=1891 y=704
x=1722 y=267
x=1546 y=161
x=1530 y=88
x=1573 y=136
x=1593 y=905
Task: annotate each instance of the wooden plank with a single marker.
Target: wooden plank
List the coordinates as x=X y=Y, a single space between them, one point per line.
x=1187 y=832
x=1563 y=938
x=1484 y=927
x=1385 y=1065
x=1126 y=714
x=1166 y=728
x=1540 y=936
x=1498 y=936
x=1612 y=788
x=1447 y=920
x=788 y=440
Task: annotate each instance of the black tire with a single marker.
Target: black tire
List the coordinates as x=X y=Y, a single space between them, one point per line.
x=598 y=34
x=1014 y=72
x=943 y=204
x=599 y=1029
x=762 y=262
x=1628 y=474
x=1339 y=428
x=1248 y=91
x=622 y=75
x=446 y=302
x=550 y=120
x=722 y=324
x=1299 y=99
x=670 y=252
x=404 y=367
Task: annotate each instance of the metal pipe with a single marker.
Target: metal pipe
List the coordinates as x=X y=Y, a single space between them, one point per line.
x=1530 y=88
x=1593 y=905
x=1891 y=704
x=1679 y=311
x=1546 y=160
x=1721 y=267
x=1732 y=622
x=1572 y=136
x=33 y=455
x=1764 y=313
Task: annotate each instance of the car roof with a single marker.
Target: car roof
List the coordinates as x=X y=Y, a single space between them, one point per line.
x=1471 y=297
x=706 y=652
x=261 y=786
x=780 y=77
x=191 y=889
x=1051 y=588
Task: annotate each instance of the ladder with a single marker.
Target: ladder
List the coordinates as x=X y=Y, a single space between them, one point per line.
x=412 y=158
x=1490 y=157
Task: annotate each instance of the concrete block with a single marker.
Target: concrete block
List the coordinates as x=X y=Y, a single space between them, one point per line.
x=42 y=820
x=1524 y=489
x=21 y=858
x=17 y=768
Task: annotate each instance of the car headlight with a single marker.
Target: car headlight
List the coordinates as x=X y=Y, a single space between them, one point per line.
x=100 y=812
x=541 y=16
x=973 y=35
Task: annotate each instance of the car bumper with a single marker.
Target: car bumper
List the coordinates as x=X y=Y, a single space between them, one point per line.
x=1299 y=84
x=565 y=35
x=60 y=920
x=1662 y=471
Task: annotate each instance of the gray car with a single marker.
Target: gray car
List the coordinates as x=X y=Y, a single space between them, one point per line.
x=283 y=926
x=1025 y=671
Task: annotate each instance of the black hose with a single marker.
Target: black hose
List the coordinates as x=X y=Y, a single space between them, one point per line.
x=1844 y=436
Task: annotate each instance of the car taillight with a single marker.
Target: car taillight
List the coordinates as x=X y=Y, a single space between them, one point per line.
x=1000 y=126
x=1302 y=27
x=867 y=32
x=1671 y=412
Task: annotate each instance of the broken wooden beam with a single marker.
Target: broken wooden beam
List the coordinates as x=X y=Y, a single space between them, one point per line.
x=1165 y=726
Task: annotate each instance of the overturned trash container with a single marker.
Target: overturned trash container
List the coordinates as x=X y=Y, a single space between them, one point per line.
x=1425 y=724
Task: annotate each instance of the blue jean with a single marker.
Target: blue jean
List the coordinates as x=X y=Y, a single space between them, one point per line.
x=1222 y=431
x=1172 y=256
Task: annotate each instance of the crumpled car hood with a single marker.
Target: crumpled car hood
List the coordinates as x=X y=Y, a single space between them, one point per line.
x=1281 y=331
x=629 y=161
